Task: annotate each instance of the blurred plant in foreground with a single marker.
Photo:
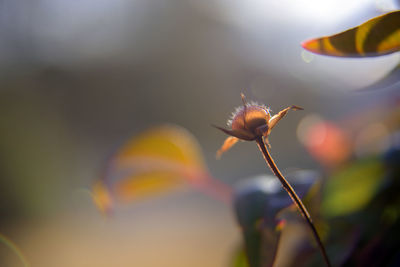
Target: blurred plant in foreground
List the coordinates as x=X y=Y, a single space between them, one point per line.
x=360 y=199
x=266 y=216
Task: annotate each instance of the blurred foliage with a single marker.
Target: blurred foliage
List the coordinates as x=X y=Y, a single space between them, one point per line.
x=240 y=259
x=360 y=203
x=354 y=185
x=374 y=228
x=257 y=203
x=158 y=160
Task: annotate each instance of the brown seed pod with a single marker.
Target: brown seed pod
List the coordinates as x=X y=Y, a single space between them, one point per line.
x=250 y=121
x=250 y=118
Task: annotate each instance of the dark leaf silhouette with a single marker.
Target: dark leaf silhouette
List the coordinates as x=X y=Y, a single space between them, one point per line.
x=257 y=202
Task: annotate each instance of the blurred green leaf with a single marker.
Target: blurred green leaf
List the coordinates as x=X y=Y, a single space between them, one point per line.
x=376 y=37
x=240 y=259
x=350 y=189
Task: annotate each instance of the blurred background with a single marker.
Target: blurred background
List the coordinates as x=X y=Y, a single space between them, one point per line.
x=78 y=78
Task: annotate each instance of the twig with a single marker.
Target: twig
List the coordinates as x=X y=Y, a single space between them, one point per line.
x=293 y=196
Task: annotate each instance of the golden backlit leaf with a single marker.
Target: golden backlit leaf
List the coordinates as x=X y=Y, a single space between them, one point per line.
x=147 y=184
x=157 y=161
x=171 y=143
x=376 y=37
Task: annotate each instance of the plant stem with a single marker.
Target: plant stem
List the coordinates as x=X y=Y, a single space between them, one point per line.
x=293 y=196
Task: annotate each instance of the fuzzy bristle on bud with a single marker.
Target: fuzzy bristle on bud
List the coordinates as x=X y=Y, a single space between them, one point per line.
x=249 y=122
x=251 y=106
x=250 y=117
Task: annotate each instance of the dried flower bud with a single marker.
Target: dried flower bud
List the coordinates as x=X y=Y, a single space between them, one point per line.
x=251 y=118
x=250 y=121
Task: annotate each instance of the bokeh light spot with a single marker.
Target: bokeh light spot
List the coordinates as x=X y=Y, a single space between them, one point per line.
x=307 y=56
x=325 y=141
x=304 y=126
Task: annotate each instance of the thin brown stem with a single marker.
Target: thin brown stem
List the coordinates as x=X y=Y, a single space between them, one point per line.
x=293 y=196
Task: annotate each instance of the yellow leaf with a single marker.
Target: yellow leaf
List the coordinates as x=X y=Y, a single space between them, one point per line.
x=376 y=37
x=157 y=161
x=167 y=146
x=147 y=184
